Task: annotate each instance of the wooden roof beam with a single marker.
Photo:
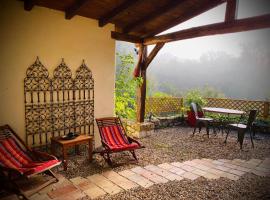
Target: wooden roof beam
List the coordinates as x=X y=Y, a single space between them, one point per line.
x=28 y=4
x=240 y=25
x=153 y=53
x=126 y=37
x=231 y=10
x=110 y=15
x=74 y=8
x=189 y=15
x=152 y=16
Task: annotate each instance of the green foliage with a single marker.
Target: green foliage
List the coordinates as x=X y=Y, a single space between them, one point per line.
x=125 y=87
x=194 y=96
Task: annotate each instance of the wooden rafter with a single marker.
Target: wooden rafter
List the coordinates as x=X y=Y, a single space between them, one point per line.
x=231 y=10
x=153 y=54
x=187 y=16
x=110 y=15
x=74 y=8
x=240 y=25
x=125 y=37
x=152 y=16
x=29 y=4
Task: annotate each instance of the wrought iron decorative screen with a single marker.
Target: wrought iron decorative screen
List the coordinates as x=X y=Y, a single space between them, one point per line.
x=58 y=105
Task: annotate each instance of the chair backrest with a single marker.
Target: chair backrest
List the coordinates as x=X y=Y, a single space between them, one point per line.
x=13 y=152
x=251 y=117
x=194 y=108
x=112 y=131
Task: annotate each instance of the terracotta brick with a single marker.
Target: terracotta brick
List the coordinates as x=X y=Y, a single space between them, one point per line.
x=216 y=162
x=209 y=175
x=255 y=161
x=172 y=168
x=62 y=191
x=237 y=172
x=104 y=183
x=190 y=175
x=230 y=176
x=259 y=173
x=222 y=168
x=199 y=172
x=188 y=168
x=262 y=169
x=140 y=180
x=216 y=172
x=77 y=180
x=149 y=175
x=38 y=196
x=75 y=195
x=119 y=180
x=164 y=173
x=93 y=191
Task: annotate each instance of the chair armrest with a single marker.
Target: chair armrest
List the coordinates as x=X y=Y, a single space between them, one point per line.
x=105 y=144
x=130 y=139
x=42 y=155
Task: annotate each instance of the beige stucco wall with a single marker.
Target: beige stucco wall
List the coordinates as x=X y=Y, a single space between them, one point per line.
x=46 y=33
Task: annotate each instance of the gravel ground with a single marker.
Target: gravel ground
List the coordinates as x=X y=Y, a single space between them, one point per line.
x=176 y=144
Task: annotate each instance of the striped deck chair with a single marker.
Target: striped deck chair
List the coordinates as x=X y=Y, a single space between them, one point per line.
x=17 y=162
x=114 y=138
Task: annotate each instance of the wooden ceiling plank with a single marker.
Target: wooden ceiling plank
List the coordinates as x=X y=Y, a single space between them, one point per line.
x=28 y=4
x=231 y=10
x=74 y=8
x=187 y=16
x=110 y=15
x=125 y=37
x=240 y=25
x=153 y=53
x=152 y=16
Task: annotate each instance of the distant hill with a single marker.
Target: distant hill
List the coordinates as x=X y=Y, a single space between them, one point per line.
x=244 y=77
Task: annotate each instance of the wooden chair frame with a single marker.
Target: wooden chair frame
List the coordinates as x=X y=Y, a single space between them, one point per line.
x=10 y=175
x=106 y=151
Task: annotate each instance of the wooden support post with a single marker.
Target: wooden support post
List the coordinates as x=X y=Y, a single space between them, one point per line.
x=231 y=10
x=141 y=92
x=266 y=109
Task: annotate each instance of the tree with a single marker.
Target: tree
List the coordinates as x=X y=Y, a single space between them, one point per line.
x=125 y=87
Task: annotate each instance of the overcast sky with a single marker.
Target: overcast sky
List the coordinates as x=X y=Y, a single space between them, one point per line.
x=229 y=43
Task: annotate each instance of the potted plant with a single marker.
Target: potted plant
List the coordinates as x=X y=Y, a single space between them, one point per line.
x=195 y=97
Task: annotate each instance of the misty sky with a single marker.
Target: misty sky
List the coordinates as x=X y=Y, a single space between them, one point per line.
x=229 y=43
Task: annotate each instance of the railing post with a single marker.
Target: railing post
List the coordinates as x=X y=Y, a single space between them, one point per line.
x=266 y=109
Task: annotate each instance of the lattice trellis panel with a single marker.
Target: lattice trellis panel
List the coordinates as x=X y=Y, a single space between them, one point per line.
x=58 y=105
x=158 y=106
x=244 y=105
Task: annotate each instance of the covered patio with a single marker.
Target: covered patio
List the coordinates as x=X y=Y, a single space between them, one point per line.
x=58 y=75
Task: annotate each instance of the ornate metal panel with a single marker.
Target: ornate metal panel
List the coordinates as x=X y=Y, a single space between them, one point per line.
x=37 y=88
x=84 y=100
x=62 y=100
x=58 y=105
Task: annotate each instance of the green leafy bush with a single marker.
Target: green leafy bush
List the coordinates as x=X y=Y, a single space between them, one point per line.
x=194 y=96
x=125 y=87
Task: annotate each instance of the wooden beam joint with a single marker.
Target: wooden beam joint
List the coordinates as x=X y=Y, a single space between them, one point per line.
x=28 y=5
x=74 y=8
x=126 y=37
x=110 y=15
x=153 y=53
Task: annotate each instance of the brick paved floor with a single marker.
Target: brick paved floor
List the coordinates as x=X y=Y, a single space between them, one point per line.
x=110 y=182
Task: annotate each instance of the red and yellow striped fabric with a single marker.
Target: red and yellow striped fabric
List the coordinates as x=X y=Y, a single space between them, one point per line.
x=113 y=136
